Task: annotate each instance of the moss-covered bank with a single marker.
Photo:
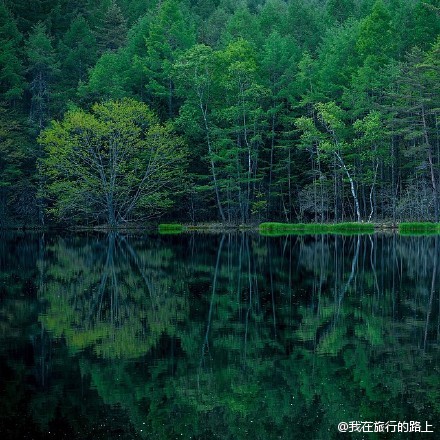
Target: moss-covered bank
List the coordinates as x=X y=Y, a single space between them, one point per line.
x=272 y=228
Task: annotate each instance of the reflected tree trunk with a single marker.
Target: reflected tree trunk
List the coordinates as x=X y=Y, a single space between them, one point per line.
x=350 y=278
x=431 y=296
x=211 y=304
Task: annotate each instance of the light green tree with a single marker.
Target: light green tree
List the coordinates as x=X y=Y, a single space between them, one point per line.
x=114 y=164
x=327 y=134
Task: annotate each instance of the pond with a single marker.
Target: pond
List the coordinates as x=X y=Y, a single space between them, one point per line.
x=222 y=336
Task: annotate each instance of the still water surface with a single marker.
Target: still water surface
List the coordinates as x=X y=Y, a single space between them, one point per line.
x=231 y=336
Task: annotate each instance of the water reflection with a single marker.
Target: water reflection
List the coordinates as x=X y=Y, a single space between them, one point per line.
x=105 y=295
x=224 y=336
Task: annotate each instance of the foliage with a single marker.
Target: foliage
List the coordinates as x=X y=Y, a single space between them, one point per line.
x=294 y=111
x=170 y=228
x=12 y=81
x=113 y=30
x=113 y=164
x=415 y=228
x=42 y=69
x=276 y=229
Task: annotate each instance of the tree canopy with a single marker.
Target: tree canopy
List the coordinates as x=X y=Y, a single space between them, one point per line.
x=249 y=87
x=114 y=164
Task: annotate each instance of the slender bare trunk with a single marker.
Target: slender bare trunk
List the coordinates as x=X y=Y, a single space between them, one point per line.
x=352 y=187
x=431 y=165
x=211 y=160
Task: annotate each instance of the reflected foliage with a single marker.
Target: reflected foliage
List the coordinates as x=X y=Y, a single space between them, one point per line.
x=225 y=336
x=105 y=295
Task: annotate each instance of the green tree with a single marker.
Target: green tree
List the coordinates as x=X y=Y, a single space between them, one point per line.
x=9 y=159
x=213 y=28
x=241 y=123
x=306 y=21
x=417 y=24
x=337 y=60
x=372 y=146
x=101 y=85
x=112 y=31
x=42 y=68
x=341 y=9
x=29 y=13
x=417 y=113
x=375 y=43
x=78 y=53
x=12 y=82
x=170 y=33
x=242 y=25
x=375 y=48
x=114 y=164
x=126 y=64
x=328 y=134
x=277 y=64
x=196 y=73
x=271 y=17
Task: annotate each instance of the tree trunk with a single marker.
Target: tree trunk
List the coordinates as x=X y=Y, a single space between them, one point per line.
x=431 y=165
x=352 y=187
x=212 y=164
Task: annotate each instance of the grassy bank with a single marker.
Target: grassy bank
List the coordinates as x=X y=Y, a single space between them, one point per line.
x=273 y=229
x=419 y=228
x=170 y=228
x=220 y=227
x=267 y=228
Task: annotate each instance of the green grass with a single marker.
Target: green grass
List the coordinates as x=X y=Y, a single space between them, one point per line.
x=276 y=229
x=419 y=228
x=170 y=228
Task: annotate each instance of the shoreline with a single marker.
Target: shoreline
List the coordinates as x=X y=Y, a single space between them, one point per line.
x=267 y=229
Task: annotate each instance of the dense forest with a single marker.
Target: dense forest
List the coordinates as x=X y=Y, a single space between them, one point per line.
x=238 y=111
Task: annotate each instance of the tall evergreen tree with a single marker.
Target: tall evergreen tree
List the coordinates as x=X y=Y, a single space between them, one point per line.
x=78 y=53
x=12 y=82
x=42 y=68
x=169 y=35
x=112 y=32
x=30 y=12
x=417 y=115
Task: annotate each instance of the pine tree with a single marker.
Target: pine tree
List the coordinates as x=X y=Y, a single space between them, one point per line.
x=12 y=82
x=29 y=13
x=78 y=53
x=112 y=32
x=169 y=35
x=195 y=73
x=278 y=56
x=17 y=170
x=243 y=24
x=126 y=65
x=241 y=124
x=42 y=68
x=417 y=115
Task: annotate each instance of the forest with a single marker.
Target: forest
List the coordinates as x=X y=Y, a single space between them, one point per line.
x=232 y=111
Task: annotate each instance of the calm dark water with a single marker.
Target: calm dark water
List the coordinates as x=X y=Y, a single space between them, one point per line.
x=217 y=336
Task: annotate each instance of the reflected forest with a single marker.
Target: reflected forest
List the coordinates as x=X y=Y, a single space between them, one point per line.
x=216 y=336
